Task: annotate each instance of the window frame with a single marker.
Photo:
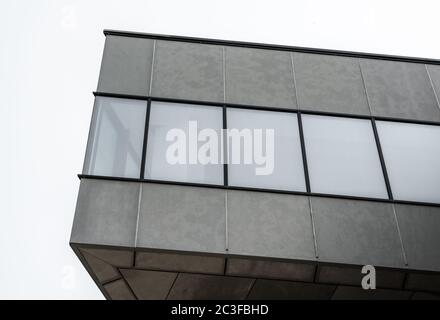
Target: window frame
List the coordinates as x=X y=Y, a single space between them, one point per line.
x=398 y=198
x=94 y=132
x=372 y=130
x=297 y=123
x=145 y=149
x=226 y=186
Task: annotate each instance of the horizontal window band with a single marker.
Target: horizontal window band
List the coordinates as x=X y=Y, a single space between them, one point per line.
x=214 y=186
x=262 y=108
x=253 y=45
x=144 y=101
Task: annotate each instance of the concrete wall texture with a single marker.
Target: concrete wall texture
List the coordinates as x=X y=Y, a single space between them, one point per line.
x=270 y=78
x=316 y=237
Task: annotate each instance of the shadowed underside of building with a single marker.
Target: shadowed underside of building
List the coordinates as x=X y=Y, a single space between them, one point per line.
x=358 y=180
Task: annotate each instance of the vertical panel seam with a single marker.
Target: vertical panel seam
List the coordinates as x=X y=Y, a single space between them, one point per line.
x=152 y=67
x=365 y=86
x=138 y=214
x=224 y=73
x=432 y=86
x=405 y=260
x=226 y=222
x=315 y=242
x=294 y=80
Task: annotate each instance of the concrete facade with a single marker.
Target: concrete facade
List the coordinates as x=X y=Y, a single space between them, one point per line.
x=143 y=240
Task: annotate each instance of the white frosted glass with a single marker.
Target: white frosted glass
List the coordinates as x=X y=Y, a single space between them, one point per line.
x=165 y=116
x=412 y=159
x=115 y=147
x=288 y=171
x=342 y=157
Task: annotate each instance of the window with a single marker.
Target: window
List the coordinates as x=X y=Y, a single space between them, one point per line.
x=342 y=157
x=412 y=159
x=116 y=138
x=263 y=149
x=272 y=163
x=177 y=140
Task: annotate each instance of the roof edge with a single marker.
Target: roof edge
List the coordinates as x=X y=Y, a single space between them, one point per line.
x=278 y=47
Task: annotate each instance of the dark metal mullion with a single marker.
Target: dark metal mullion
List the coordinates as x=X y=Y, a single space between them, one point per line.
x=382 y=160
x=119 y=95
x=144 y=145
x=225 y=147
x=303 y=152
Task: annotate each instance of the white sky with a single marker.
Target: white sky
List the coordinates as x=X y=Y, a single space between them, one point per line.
x=50 y=53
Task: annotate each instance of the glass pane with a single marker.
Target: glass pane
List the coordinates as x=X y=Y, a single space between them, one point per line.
x=272 y=163
x=177 y=158
x=342 y=157
x=116 y=140
x=412 y=158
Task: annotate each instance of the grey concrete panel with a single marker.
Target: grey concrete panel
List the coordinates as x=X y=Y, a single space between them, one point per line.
x=425 y=296
x=400 y=90
x=270 y=269
x=149 y=285
x=126 y=65
x=423 y=282
x=117 y=258
x=419 y=227
x=197 y=286
x=180 y=262
x=106 y=213
x=103 y=271
x=118 y=290
x=259 y=77
x=275 y=289
x=352 y=276
x=357 y=232
x=182 y=218
x=330 y=83
x=434 y=73
x=357 y=293
x=270 y=225
x=188 y=71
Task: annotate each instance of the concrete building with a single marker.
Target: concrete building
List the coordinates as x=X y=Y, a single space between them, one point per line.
x=356 y=179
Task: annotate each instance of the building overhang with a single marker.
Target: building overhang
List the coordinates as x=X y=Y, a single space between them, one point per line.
x=132 y=253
